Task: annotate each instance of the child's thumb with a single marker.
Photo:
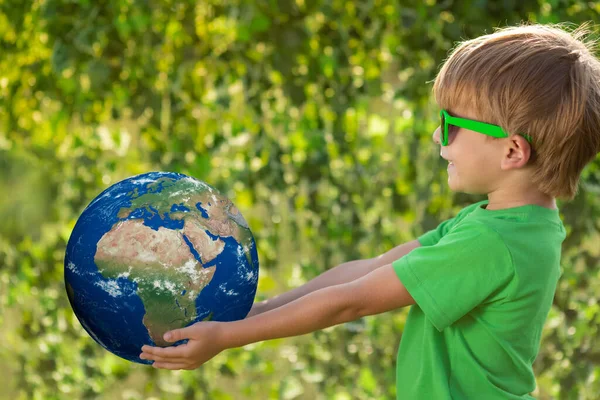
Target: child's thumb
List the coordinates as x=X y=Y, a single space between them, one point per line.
x=175 y=335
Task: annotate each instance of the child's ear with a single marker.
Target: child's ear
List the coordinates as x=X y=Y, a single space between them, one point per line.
x=517 y=152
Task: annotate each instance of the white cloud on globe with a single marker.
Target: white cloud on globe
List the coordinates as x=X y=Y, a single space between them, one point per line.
x=229 y=292
x=111 y=287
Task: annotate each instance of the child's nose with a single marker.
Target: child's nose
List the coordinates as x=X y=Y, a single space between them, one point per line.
x=436 y=135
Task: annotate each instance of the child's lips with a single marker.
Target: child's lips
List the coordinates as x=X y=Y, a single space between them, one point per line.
x=450 y=163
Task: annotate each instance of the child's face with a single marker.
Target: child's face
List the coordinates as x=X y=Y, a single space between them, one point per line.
x=474 y=159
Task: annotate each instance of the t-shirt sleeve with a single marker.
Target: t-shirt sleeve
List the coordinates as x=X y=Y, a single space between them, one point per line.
x=433 y=236
x=447 y=280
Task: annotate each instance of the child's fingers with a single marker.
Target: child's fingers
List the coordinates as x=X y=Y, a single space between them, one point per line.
x=175 y=360
x=166 y=352
x=167 y=365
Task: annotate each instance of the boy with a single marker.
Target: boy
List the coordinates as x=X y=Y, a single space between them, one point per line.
x=481 y=284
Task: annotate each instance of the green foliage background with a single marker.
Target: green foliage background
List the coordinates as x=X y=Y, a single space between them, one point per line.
x=314 y=117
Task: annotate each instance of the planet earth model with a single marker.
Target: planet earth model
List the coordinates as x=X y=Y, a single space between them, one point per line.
x=156 y=252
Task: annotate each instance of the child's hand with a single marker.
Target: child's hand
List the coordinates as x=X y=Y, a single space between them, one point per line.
x=203 y=344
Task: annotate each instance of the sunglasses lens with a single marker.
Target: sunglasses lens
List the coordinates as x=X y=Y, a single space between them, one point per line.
x=444 y=128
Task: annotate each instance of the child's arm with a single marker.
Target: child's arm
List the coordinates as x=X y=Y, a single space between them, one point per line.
x=343 y=273
x=374 y=293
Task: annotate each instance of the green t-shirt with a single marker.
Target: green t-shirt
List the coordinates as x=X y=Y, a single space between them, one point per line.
x=483 y=283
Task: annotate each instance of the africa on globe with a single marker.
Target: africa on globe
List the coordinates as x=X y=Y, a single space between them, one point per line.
x=156 y=252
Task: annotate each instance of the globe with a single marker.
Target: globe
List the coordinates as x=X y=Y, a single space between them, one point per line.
x=156 y=252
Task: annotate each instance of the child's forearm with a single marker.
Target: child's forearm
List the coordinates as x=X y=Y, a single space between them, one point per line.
x=343 y=273
x=317 y=310
x=377 y=292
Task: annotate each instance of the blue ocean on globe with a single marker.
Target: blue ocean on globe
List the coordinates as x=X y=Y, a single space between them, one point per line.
x=156 y=252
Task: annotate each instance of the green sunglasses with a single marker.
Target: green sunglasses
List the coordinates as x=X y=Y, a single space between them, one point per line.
x=481 y=127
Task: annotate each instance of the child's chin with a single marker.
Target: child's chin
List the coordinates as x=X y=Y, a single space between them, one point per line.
x=457 y=187
x=453 y=185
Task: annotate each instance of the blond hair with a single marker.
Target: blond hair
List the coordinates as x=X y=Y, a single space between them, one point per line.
x=537 y=79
